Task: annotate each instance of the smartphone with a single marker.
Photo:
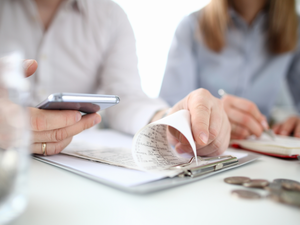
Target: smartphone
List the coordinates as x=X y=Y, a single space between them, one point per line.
x=86 y=103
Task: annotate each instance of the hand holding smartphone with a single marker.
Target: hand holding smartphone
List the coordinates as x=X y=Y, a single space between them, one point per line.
x=86 y=103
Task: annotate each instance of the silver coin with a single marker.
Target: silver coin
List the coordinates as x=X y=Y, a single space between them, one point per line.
x=280 y=181
x=290 y=197
x=273 y=187
x=291 y=186
x=275 y=196
x=246 y=194
x=286 y=197
x=256 y=183
x=236 y=180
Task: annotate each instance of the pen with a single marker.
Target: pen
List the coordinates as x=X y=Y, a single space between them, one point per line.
x=264 y=124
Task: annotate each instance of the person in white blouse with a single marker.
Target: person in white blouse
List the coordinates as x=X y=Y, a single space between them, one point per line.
x=88 y=46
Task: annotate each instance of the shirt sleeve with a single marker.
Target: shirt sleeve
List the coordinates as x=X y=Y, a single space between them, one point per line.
x=181 y=68
x=284 y=106
x=293 y=78
x=119 y=76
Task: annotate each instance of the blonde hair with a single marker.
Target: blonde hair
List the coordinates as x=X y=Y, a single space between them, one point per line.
x=282 y=25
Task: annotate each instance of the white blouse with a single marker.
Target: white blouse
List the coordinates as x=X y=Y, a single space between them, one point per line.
x=88 y=48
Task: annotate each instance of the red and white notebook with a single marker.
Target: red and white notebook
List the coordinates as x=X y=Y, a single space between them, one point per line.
x=282 y=146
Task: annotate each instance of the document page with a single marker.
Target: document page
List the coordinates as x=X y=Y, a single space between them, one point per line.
x=113 y=156
x=282 y=141
x=150 y=150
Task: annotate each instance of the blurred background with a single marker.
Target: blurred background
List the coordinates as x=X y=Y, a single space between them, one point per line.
x=154 y=23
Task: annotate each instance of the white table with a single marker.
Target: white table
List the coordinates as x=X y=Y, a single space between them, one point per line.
x=59 y=197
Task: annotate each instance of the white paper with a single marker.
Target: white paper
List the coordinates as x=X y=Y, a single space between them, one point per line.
x=151 y=150
x=94 y=139
x=117 y=175
x=282 y=141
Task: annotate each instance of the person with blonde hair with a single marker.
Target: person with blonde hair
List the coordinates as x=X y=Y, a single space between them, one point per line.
x=248 y=48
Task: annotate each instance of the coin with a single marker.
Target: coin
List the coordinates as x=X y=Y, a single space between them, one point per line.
x=286 y=197
x=275 y=196
x=246 y=194
x=273 y=187
x=280 y=181
x=256 y=183
x=290 y=197
x=291 y=186
x=236 y=180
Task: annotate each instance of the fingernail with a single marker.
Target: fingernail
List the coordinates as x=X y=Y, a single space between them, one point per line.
x=27 y=63
x=97 y=120
x=203 y=137
x=265 y=125
x=78 y=116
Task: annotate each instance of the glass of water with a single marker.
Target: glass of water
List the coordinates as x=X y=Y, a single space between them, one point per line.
x=14 y=136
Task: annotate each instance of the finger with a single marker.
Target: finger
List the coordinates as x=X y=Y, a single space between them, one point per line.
x=178 y=135
x=41 y=120
x=297 y=129
x=216 y=147
x=246 y=106
x=184 y=148
x=175 y=133
x=243 y=119
x=276 y=128
x=234 y=137
x=216 y=118
x=30 y=66
x=200 y=104
x=220 y=144
x=171 y=139
x=52 y=148
x=58 y=135
x=238 y=131
x=288 y=126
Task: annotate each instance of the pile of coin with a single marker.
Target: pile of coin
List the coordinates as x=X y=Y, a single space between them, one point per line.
x=281 y=190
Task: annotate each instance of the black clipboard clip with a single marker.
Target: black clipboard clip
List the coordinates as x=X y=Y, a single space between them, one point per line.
x=190 y=169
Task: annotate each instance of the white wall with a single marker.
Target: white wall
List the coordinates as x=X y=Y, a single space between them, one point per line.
x=154 y=23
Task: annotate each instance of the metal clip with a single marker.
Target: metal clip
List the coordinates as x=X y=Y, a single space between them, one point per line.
x=200 y=159
x=221 y=162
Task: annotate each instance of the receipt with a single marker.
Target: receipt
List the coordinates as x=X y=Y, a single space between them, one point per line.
x=151 y=150
x=112 y=156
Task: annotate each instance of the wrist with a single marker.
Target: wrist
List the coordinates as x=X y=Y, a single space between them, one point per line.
x=160 y=114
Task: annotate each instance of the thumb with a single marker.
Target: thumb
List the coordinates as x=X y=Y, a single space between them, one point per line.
x=30 y=66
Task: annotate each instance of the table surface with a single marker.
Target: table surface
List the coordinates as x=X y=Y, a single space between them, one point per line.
x=57 y=196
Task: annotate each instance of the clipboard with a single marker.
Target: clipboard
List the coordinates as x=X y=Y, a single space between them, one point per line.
x=189 y=174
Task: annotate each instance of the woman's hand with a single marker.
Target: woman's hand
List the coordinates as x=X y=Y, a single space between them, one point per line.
x=209 y=122
x=288 y=127
x=244 y=116
x=57 y=127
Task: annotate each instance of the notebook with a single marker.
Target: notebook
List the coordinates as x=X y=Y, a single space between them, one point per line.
x=281 y=146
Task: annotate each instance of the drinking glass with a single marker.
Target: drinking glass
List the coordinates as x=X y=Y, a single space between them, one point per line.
x=14 y=136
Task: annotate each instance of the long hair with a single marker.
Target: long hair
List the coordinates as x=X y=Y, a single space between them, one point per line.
x=281 y=25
